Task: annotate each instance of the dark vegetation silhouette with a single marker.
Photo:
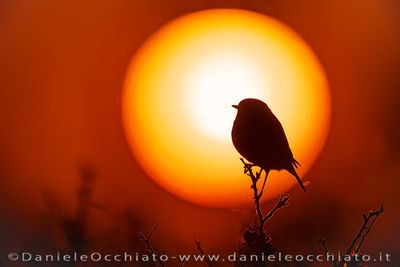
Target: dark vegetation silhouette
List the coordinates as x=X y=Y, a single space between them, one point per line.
x=147 y=241
x=256 y=241
x=73 y=228
x=71 y=232
x=356 y=244
x=201 y=250
x=154 y=253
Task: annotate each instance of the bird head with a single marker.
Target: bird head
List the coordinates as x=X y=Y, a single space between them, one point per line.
x=251 y=105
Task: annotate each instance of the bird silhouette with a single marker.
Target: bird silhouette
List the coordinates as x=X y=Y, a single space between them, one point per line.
x=259 y=137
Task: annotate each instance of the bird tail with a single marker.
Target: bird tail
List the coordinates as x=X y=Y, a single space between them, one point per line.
x=296 y=163
x=294 y=173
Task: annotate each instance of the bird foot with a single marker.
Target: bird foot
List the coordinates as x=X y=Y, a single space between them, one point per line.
x=247 y=167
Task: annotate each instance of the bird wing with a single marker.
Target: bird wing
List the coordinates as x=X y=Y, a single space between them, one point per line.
x=275 y=146
x=262 y=141
x=281 y=144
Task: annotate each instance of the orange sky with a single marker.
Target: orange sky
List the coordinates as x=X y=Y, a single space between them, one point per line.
x=61 y=74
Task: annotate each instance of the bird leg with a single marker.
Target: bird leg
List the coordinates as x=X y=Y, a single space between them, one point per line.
x=265 y=180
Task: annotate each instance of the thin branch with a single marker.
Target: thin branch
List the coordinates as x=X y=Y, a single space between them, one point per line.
x=323 y=242
x=149 y=247
x=364 y=230
x=152 y=231
x=254 y=178
x=282 y=202
x=375 y=216
x=257 y=196
x=200 y=249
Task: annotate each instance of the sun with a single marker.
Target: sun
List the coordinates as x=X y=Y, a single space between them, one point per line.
x=180 y=86
x=215 y=85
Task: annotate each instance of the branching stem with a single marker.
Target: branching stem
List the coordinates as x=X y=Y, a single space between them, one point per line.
x=200 y=249
x=355 y=246
x=248 y=169
x=368 y=222
x=146 y=241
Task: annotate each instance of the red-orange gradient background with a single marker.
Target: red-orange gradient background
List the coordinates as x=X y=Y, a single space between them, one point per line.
x=62 y=67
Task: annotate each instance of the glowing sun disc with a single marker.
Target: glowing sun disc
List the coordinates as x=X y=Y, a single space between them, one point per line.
x=179 y=90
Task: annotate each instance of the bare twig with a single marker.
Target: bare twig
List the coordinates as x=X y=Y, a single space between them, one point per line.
x=200 y=249
x=74 y=228
x=257 y=196
x=368 y=222
x=282 y=202
x=355 y=246
x=146 y=241
x=367 y=231
x=364 y=230
x=323 y=242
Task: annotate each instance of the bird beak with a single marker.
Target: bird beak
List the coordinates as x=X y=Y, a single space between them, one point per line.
x=235 y=106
